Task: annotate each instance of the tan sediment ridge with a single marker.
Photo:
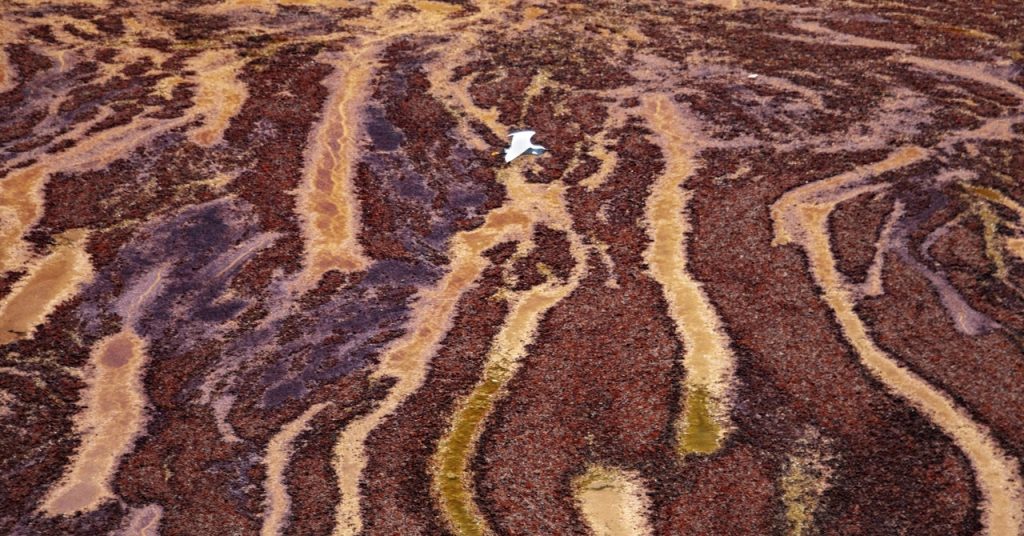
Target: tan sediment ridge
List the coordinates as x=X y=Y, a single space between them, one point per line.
x=21 y=200
x=613 y=502
x=327 y=198
x=220 y=95
x=1016 y=246
x=708 y=361
x=49 y=281
x=112 y=417
x=279 y=450
x=801 y=218
x=8 y=75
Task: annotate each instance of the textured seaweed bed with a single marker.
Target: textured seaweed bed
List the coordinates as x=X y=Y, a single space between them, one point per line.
x=264 y=271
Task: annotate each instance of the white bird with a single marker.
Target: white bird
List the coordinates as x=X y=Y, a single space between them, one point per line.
x=521 y=144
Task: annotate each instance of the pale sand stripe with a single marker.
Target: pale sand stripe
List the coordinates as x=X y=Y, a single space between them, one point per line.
x=708 y=361
x=112 y=417
x=144 y=521
x=279 y=452
x=8 y=75
x=219 y=96
x=802 y=220
x=327 y=199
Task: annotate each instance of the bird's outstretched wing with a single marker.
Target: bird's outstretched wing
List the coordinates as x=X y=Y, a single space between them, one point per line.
x=519 y=145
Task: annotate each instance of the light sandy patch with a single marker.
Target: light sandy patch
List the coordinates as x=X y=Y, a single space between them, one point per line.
x=613 y=502
x=49 y=281
x=8 y=75
x=327 y=197
x=112 y=417
x=219 y=95
x=143 y=521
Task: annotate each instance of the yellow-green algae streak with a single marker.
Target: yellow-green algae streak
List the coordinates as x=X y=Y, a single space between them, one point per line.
x=805 y=481
x=454 y=452
x=995 y=242
x=451 y=461
x=701 y=432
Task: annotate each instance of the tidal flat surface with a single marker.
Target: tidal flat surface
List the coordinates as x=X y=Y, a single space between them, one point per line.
x=263 y=269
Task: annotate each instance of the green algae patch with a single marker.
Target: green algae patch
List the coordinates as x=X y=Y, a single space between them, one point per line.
x=700 y=433
x=454 y=451
x=806 y=479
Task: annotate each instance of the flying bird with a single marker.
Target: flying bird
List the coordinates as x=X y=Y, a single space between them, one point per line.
x=521 y=144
